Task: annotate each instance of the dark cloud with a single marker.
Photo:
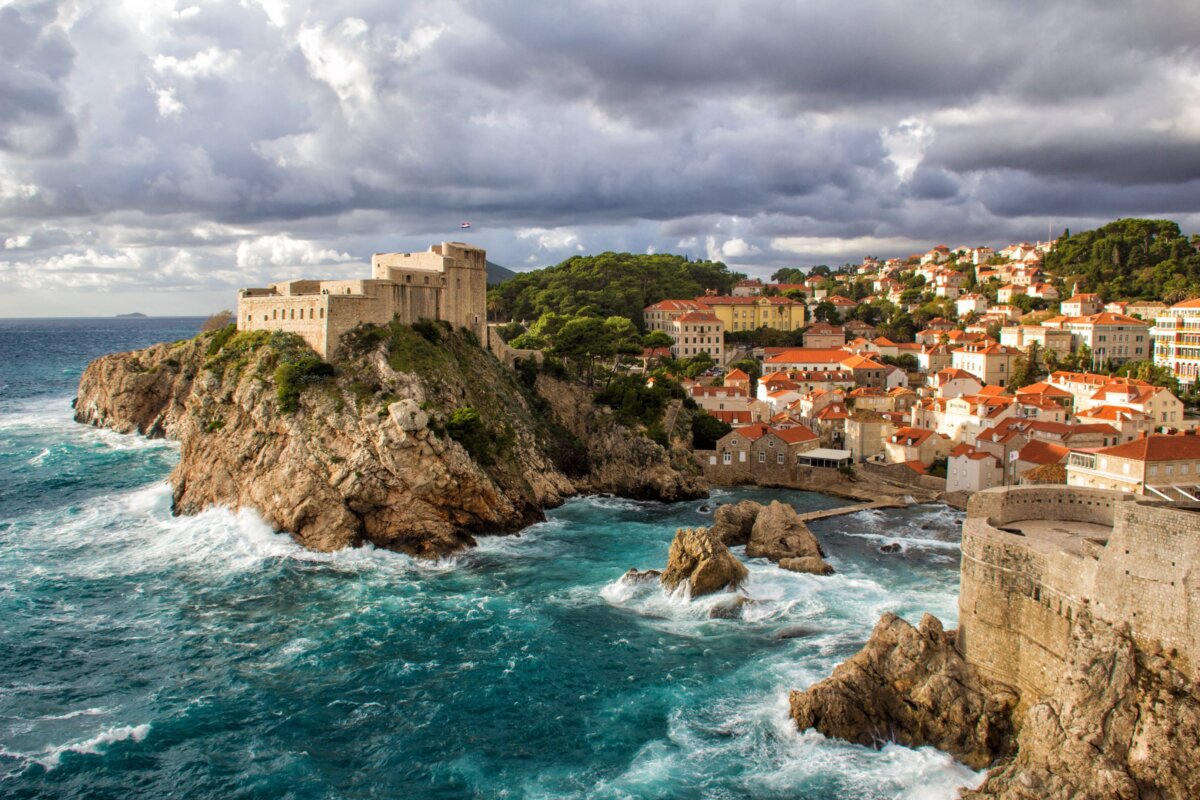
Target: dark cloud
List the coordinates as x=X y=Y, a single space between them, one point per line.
x=237 y=141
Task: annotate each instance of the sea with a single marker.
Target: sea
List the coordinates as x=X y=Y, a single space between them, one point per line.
x=144 y=655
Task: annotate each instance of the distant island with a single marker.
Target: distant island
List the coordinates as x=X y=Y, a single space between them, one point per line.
x=133 y=315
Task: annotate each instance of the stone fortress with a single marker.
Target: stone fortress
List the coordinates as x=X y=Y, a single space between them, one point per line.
x=1034 y=558
x=449 y=282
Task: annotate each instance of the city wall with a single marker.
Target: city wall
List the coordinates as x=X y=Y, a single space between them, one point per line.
x=1021 y=593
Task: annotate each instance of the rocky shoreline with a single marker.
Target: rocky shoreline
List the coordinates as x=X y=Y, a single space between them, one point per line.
x=1121 y=721
x=365 y=450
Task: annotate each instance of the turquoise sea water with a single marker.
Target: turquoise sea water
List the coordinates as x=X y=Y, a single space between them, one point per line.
x=143 y=655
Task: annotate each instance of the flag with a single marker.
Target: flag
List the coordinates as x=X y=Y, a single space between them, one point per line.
x=465 y=225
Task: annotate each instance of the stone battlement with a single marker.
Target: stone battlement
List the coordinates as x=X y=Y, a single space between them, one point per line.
x=449 y=282
x=1034 y=558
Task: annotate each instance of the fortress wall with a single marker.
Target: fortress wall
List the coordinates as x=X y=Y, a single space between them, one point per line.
x=1020 y=595
x=304 y=315
x=1046 y=502
x=1017 y=606
x=1149 y=576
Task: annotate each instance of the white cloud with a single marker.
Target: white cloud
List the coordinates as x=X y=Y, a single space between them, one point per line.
x=552 y=239
x=17 y=242
x=204 y=64
x=853 y=246
x=281 y=250
x=421 y=39
x=906 y=143
x=167 y=104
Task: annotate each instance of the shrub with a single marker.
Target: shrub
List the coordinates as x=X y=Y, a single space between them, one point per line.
x=292 y=376
x=217 y=321
x=220 y=339
x=429 y=330
x=466 y=427
x=363 y=338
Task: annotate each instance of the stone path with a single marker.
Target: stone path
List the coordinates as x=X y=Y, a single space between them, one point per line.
x=837 y=512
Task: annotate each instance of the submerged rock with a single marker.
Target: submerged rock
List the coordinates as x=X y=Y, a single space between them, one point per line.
x=911 y=686
x=732 y=609
x=890 y=547
x=641 y=575
x=795 y=632
x=700 y=560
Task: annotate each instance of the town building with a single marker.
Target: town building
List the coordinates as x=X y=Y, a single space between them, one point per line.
x=1176 y=336
x=991 y=363
x=752 y=313
x=1115 y=338
x=823 y=335
x=1081 y=305
x=448 y=283
x=696 y=332
x=1158 y=465
x=1022 y=337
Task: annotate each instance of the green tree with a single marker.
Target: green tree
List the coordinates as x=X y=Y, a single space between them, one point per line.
x=707 y=430
x=1151 y=373
x=825 y=312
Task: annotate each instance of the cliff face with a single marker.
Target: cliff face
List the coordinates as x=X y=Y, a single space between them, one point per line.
x=1118 y=722
x=417 y=440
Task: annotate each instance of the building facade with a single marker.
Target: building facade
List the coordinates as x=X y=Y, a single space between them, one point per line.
x=448 y=282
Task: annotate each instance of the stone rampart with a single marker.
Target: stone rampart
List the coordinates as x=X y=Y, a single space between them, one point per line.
x=1033 y=558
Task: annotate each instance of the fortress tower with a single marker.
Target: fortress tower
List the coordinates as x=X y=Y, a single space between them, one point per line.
x=448 y=282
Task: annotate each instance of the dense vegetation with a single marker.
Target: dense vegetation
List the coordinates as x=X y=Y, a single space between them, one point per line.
x=1148 y=259
x=607 y=285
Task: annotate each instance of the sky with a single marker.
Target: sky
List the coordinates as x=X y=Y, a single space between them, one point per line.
x=157 y=155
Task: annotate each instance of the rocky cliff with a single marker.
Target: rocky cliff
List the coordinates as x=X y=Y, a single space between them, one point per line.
x=415 y=440
x=1120 y=721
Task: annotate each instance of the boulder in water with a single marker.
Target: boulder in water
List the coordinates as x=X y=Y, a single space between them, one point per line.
x=733 y=522
x=700 y=560
x=732 y=609
x=814 y=565
x=911 y=686
x=779 y=533
x=890 y=547
x=635 y=575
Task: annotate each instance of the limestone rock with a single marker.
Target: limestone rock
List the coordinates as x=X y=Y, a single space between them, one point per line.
x=778 y=533
x=698 y=559
x=356 y=462
x=814 y=565
x=733 y=522
x=1122 y=723
x=734 y=608
x=911 y=686
x=408 y=415
x=635 y=575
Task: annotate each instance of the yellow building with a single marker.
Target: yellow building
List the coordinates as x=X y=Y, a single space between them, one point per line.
x=751 y=313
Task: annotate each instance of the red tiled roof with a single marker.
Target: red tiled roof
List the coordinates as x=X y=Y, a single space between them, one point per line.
x=1157 y=447
x=1039 y=451
x=698 y=316
x=736 y=375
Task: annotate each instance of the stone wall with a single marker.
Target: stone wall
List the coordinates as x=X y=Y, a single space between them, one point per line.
x=1021 y=594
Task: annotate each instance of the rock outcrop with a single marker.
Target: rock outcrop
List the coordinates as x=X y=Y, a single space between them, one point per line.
x=733 y=522
x=911 y=686
x=1122 y=723
x=699 y=560
x=780 y=535
x=774 y=531
x=368 y=451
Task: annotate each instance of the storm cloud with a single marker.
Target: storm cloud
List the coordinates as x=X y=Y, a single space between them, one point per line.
x=190 y=148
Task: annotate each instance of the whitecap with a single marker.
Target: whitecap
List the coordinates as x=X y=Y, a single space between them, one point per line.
x=96 y=745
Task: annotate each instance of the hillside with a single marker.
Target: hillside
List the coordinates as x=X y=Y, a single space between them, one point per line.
x=609 y=284
x=1148 y=259
x=416 y=440
x=497 y=274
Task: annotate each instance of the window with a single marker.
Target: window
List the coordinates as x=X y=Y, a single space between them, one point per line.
x=762 y=457
x=779 y=458
x=727 y=458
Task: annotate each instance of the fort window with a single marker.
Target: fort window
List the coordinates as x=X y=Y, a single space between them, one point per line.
x=322 y=313
x=274 y=314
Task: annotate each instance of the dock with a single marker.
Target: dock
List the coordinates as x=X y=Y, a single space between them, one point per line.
x=854 y=509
